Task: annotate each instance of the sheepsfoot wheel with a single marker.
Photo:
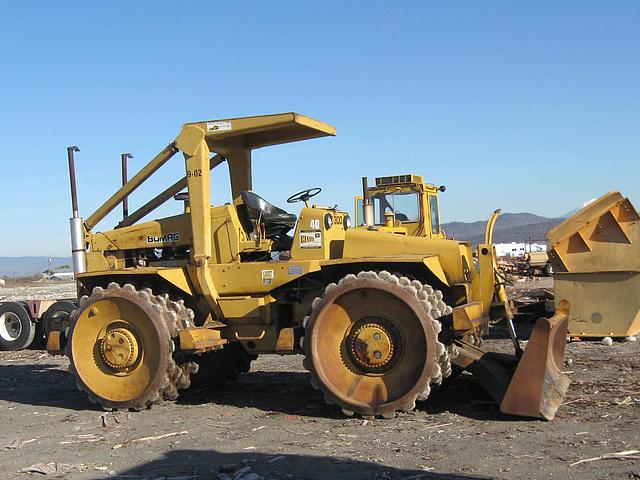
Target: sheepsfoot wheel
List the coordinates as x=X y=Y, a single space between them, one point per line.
x=371 y=343
x=121 y=347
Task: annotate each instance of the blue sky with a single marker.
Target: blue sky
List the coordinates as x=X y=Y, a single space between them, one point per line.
x=527 y=106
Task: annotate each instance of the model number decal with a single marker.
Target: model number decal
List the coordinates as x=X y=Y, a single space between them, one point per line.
x=311 y=239
x=295 y=270
x=169 y=237
x=194 y=173
x=267 y=277
x=314 y=224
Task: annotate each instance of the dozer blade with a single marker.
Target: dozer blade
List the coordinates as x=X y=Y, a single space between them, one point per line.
x=534 y=386
x=538 y=385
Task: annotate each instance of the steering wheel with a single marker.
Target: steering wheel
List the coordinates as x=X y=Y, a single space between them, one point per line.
x=304 y=195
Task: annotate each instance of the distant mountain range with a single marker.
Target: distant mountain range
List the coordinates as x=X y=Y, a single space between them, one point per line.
x=24 y=266
x=510 y=227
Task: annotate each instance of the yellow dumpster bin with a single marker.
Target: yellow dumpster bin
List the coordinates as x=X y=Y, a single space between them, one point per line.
x=596 y=261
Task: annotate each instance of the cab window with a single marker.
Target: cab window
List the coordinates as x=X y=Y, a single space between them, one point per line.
x=404 y=205
x=359 y=211
x=433 y=210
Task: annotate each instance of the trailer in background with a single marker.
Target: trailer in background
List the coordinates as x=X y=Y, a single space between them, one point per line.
x=27 y=324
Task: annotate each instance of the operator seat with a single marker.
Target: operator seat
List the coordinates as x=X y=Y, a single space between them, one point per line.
x=276 y=222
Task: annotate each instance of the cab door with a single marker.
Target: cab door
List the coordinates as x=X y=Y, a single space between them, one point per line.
x=434 y=216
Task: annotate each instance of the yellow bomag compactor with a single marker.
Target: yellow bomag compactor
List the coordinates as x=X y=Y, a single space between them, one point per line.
x=380 y=314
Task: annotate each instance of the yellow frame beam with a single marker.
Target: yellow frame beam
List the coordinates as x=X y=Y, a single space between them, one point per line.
x=106 y=208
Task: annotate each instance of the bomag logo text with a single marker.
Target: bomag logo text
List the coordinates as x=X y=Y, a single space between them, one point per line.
x=168 y=238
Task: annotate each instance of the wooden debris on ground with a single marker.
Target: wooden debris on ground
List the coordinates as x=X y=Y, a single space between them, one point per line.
x=626 y=455
x=149 y=439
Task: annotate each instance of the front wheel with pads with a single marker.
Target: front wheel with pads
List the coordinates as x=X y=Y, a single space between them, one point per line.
x=371 y=343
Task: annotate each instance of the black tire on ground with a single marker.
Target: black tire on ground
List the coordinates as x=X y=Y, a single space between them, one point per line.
x=17 y=329
x=57 y=317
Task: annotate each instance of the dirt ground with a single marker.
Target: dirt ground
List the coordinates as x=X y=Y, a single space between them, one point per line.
x=42 y=290
x=272 y=425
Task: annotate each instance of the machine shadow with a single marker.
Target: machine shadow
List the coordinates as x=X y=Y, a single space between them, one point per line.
x=41 y=386
x=211 y=464
x=290 y=393
x=461 y=395
x=287 y=393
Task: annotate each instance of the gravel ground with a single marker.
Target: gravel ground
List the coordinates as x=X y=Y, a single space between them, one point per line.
x=272 y=425
x=42 y=290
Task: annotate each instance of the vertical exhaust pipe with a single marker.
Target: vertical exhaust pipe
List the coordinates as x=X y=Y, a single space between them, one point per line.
x=125 y=200
x=77 y=229
x=72 y=179
x=367 y=206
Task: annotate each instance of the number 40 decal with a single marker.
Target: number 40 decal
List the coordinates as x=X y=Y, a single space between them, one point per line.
x=315 y=224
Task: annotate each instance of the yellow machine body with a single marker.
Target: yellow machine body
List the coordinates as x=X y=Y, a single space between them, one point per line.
x=214 y=278
x=212 y=256
x=596 y=260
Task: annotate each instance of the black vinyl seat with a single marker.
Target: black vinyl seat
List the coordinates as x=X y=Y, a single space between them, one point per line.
x=276 y=221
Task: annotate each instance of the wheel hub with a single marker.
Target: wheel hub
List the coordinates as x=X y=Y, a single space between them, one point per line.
x=372 y=346
x=10 y=326
x=119 y=348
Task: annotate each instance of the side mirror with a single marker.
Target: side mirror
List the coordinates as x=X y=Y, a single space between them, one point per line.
x=442 y=188
x=183 y=197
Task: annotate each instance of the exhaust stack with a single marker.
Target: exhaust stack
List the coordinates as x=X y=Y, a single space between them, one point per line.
x=125 y=201
x=367 y=206
x=76 y=223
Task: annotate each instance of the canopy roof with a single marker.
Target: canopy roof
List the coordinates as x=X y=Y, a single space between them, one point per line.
x=262 y=130
x=233 y=138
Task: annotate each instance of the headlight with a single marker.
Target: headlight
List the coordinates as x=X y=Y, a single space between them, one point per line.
x=328 y=221
x=346 y=222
